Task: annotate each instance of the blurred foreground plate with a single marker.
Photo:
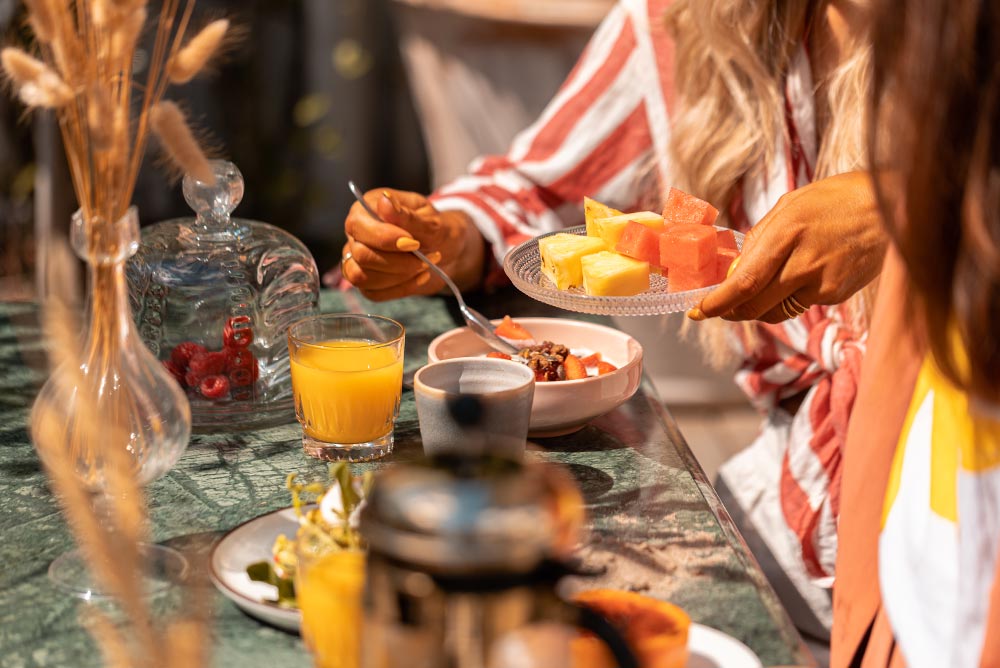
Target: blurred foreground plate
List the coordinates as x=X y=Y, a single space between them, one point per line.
x=246 y=544
x=709 y=648
x=251 y=542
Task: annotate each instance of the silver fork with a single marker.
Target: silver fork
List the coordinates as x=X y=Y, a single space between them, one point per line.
x=475 y=320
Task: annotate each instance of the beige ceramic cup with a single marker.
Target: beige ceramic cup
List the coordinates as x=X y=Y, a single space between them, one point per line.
x=474 y=405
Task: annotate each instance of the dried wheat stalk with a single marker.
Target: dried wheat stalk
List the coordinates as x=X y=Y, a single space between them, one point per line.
x=83 y=71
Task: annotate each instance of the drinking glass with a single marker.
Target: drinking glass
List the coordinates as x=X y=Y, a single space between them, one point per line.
x=328 y=586
x=347 y=378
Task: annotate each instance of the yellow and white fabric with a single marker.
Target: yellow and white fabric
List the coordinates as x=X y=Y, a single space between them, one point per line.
x=941 y=525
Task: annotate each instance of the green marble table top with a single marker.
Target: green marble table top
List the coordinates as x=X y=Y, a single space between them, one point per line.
x=656 y=523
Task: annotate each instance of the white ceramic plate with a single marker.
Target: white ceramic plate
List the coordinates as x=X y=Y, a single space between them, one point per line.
x=523 y=265
x=709 y=648
x=246 y=544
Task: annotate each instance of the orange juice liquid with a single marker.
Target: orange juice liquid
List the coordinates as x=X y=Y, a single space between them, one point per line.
x=329 y=594
x=347 y=391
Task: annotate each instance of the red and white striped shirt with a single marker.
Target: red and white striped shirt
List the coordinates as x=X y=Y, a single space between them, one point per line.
x=603 y=134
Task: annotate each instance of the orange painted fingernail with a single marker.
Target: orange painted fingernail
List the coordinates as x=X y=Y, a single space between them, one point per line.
x=696 y=314
x=434 y=256
x=423 y=278
x=392 y=202
x=407 y=244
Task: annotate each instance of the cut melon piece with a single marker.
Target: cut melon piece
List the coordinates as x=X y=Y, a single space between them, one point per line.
x=510 y=330
x=592 y=210
x=684 y=208
x=608 y=274
x=639 y=243
x=561 y=255
x=688 y=247
x=681 y=280
x=610 y=229
x=723 y=260
x=726 y=239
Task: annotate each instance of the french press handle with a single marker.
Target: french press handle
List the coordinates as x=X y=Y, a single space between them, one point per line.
x=588 y=620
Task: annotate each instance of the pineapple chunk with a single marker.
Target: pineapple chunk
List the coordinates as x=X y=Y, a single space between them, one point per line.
x=610 y=229
x=592 y=210
x=561 y=255
x=608 y=274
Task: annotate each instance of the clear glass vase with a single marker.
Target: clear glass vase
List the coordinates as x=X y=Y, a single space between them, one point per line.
x=112 y=407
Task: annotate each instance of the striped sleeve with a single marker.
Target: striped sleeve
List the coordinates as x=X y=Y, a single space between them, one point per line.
x=593 y=139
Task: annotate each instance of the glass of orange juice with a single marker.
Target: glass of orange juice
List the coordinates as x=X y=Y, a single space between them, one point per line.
x=329 y=586
x=347 y=377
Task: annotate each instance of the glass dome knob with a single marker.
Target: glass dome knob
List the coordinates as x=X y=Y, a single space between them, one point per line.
x=215 y=201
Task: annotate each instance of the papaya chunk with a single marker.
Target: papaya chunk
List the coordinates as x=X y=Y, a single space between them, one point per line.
x=509 y=329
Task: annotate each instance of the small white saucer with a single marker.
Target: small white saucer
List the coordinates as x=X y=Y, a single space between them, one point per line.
x=709 y=648
x=246 y=544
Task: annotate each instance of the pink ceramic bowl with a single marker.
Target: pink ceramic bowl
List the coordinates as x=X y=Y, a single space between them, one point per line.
x=565 y=406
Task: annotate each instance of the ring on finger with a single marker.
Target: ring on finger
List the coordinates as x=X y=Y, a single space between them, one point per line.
x=345 y=258
x=796 y=305
x=792 y=308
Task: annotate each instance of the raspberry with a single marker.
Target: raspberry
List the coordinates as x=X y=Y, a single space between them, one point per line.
x=204 y=365
x=175 y=371
x=242 y=367
x=237 y=333
x=214 y=387
x=183 y=352
x=241 y=377
x=237 y=358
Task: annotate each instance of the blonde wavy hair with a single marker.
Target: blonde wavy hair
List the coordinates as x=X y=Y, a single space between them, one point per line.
x=731 y=58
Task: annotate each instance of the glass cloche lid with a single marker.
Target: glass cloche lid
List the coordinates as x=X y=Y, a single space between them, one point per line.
x=213 y=297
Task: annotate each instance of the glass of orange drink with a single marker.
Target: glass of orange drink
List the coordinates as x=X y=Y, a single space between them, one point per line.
x=347 y=378
x=329 y=585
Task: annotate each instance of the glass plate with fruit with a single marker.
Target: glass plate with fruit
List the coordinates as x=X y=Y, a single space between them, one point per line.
x=640 y=263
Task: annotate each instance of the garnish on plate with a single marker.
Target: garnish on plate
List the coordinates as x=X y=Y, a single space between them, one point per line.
x=327 y=515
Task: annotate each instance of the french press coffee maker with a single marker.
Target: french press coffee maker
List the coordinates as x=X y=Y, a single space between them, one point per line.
x=462 y=556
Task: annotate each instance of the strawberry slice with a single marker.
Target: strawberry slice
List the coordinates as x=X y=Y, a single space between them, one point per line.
x=509 y=329
x=575 y=370
x=605 y=367
x=591 y=361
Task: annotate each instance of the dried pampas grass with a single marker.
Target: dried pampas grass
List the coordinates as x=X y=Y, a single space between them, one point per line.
x=37 y=84
x=178 y=142
x=83 y=70
x=192 y=59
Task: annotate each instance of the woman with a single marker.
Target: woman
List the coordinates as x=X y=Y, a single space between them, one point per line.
x=918 y=578
x=738 y=102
